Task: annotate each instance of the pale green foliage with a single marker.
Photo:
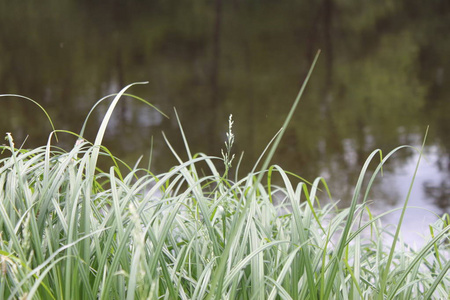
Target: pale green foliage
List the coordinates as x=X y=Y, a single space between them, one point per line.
x=71 y=231
x=154 y=236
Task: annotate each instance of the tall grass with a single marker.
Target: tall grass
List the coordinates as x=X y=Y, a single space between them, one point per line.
x=71 y=231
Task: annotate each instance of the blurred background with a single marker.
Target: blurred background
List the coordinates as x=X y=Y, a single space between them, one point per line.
x=383 y=76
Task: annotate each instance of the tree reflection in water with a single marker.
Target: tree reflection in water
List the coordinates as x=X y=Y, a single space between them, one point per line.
x=381 y=79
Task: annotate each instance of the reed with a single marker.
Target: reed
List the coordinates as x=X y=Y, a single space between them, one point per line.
x=71 y=231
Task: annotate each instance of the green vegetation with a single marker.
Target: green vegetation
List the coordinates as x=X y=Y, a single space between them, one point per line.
x=71 y=231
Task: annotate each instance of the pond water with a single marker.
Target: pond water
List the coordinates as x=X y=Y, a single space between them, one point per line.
x=382 y=78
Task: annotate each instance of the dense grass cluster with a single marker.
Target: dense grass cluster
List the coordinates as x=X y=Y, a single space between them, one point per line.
x=71 y=231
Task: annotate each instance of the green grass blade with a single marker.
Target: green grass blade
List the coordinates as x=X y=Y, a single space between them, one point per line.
x=37 y=104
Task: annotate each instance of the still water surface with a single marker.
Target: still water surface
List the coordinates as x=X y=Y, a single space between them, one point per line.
x=382 y=78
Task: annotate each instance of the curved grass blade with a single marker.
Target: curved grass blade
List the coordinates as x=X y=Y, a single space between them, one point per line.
x=37 y=104
x=83 y=128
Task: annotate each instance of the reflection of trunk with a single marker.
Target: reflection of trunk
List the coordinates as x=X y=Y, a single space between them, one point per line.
x=322 y=26
x=360 y=142
x=328 y=53
x=252 y=111
x=324 y=14
x=334 y=136
x=327 y=96
x=328 y=42
x=121 y=82
x=214 y=105
x=311 y=39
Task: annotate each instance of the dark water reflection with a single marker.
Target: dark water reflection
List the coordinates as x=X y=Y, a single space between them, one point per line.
x=383 y=76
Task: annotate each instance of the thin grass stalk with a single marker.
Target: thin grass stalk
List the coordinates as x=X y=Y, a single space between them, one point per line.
x=400 y=221
x=344 y=236
x=216 y=289
x=191 y=178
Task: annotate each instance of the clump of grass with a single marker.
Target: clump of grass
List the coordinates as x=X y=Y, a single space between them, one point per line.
x=71 y=231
